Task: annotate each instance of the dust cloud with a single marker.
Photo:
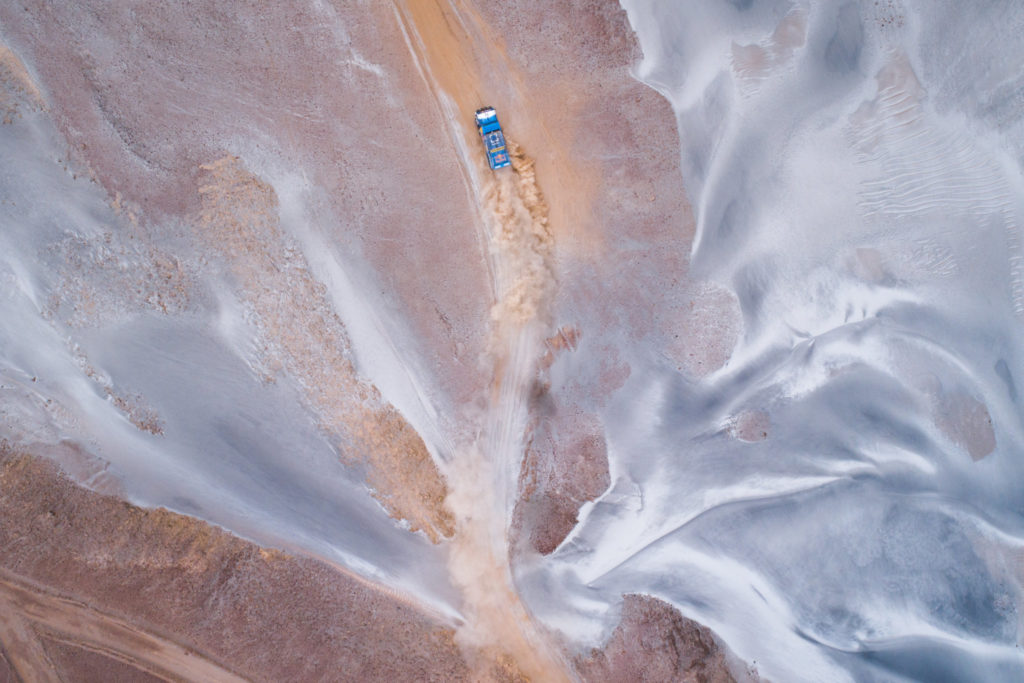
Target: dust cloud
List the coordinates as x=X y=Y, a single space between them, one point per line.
x=522 y=246
x=483 y=475
x=498 y=637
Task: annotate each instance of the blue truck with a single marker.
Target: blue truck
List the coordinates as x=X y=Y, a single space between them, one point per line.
x=494 y=140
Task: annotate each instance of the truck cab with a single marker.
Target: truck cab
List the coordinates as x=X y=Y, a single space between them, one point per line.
x=494 y=140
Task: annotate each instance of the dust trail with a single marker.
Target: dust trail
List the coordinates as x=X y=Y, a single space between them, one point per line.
x=521 y=252
x=484 y=476
x=521 y=245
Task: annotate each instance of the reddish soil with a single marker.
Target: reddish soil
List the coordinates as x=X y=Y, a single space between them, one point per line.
x=566 y=461
x=653 y=642
x=7 y=674
x=146 y=95
x=172 y=595
x=77 y=663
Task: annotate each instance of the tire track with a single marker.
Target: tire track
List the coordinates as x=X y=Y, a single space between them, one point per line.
x=482 y=476
x=25 y=611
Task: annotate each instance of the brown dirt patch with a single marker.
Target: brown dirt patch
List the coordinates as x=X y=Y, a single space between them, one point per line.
x=967 y=422
x=751 y=425
x=654 y=642
x=702 y=328
x=145 y=95
x=7 y=674
x=302 y=334
x=566 y=460
x=566 y=465
x=78 y=663
x=17 y=89
x=183 y=581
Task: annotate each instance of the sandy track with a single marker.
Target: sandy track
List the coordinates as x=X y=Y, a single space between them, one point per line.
x=528 y=235
x=460 y=60
x=22 y=648
x=465 y=63
x=29 y=612
x=520 y=248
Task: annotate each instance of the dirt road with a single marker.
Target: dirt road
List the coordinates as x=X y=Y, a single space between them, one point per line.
x=33 y=620
x=542 y=215
x=462 y=63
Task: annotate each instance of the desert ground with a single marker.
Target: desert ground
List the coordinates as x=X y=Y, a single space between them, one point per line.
x=211 y=133
x=717 y=381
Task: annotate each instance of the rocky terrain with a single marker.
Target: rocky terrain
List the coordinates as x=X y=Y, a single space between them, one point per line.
x=306 y=183
x=716 y=381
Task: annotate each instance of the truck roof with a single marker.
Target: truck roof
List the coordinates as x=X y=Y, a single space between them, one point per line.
x=494 y=140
